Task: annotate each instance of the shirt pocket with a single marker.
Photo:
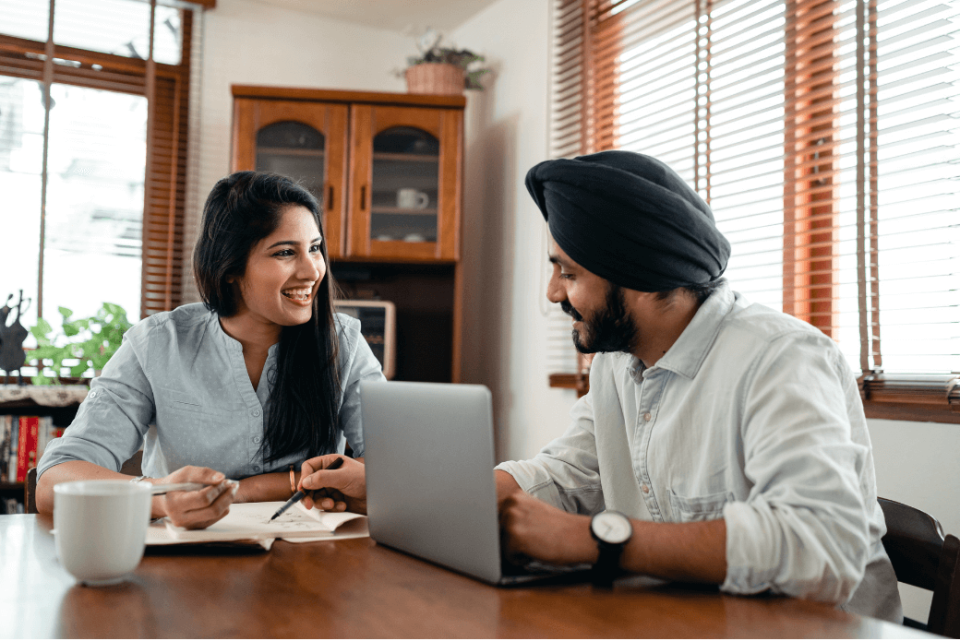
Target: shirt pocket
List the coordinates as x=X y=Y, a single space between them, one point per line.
x=708 y=507
x=188 y=404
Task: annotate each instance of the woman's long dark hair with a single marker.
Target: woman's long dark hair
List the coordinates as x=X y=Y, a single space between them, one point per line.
x=242 y=210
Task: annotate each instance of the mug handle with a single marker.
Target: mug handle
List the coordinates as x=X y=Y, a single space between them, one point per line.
x=423 y=200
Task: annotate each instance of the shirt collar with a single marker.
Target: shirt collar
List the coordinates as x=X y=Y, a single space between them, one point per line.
x=229 y=342
x=689 y=351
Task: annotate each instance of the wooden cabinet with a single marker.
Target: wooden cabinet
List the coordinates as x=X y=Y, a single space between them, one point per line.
x=281 y=136
x=387 y=170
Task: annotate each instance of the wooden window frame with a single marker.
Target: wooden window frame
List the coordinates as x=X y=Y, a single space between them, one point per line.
x=810 y=194
x=167 y=89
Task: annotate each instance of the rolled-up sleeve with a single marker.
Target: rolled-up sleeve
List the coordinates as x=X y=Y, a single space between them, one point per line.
x=357 y=364
x=565 y=473
x=803 y=530
x=112 y=420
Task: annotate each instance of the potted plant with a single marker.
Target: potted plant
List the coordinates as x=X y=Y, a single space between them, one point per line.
x=92 y=341
x=442 y=70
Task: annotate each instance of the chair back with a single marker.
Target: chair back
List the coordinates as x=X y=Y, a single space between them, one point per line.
x=913 y=543
x=131 y=467
x=922 y=556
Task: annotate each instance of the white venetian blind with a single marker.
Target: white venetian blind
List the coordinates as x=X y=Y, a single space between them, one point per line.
x=823 y=133
x=567 y=137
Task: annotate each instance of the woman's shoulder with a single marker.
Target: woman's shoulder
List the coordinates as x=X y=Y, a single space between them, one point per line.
x=182 y=320
x=348 y=328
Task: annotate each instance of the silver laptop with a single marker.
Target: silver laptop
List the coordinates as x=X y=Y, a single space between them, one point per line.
x=430 y=484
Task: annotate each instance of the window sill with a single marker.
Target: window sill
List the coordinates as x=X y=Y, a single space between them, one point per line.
x=911 y=398
x=903 y=398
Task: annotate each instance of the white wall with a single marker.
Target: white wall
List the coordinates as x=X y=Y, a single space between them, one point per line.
x=251 y=43
x=919 y=464
x=506 y=134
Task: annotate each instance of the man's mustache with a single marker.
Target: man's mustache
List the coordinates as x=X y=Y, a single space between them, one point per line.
x=569 y=310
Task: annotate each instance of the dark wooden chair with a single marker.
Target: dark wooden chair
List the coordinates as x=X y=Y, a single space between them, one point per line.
x=922 y=556
x=131 y=467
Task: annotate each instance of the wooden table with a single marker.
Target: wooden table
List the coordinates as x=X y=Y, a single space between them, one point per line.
x=355 y=588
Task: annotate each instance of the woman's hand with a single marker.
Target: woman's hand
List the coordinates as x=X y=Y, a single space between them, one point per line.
x=198 y=509
x=337 y=490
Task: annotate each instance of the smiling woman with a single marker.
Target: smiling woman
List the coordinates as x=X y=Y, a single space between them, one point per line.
x=248 y=385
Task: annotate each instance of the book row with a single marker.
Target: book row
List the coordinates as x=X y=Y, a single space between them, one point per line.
x=22 y=441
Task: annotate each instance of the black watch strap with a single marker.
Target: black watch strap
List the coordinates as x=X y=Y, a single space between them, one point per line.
x=612 y=531
x=607 y=567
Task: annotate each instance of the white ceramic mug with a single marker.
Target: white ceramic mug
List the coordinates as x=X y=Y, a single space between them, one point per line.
x=412 y=199
x=100 y=528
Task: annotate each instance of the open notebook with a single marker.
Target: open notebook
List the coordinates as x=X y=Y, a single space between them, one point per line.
x=251 y=522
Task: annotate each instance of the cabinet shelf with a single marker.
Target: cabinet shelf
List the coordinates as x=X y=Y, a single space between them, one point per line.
x=405 y=211
x=405 y=157
x=291 y=151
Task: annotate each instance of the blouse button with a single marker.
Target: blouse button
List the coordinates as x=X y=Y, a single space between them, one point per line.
x=256 y=468
x=256 y=439
x=647 y=416
x=255 y=413
x=646 y=490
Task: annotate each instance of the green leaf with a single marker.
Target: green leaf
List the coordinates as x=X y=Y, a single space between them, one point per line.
x=46 y=351
x=40 y=379
x=97 y=362
x=66 y=313
x=78 y=370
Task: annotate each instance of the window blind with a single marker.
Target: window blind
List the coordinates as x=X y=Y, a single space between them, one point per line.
x=568 y=138
x=823 y=134
x=136 y=65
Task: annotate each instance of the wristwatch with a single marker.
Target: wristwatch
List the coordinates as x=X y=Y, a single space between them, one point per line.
x=611 y=530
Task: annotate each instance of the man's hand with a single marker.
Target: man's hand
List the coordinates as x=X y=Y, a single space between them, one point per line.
x=199 y=509
x=534 y=529
x=337 y=490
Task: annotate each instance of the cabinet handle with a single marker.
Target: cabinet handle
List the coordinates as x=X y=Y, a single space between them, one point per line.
x=330 y=197
x=363 y=197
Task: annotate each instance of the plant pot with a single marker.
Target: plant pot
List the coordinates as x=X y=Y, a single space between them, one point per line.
x=435 y=78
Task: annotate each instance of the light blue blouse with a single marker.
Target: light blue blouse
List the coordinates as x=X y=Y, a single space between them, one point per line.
x=178 y=387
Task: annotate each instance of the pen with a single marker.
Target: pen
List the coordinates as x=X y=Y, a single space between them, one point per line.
x=182 y=487
x=299 y=494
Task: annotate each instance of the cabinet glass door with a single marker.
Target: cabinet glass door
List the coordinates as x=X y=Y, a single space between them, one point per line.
x=406 y=183
x=293 y=149
x=304 y=141
x=405 y=186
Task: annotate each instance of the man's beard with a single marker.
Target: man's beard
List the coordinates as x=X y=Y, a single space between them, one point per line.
x=611 y=329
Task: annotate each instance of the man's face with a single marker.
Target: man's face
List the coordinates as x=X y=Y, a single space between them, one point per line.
x=601 y=321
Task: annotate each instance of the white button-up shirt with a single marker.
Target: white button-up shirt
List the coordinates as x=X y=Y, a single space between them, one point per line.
x=178 y=386
x=754 y=417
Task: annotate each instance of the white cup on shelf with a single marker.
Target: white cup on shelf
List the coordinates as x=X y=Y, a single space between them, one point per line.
x=100 y=528
x=412 y=199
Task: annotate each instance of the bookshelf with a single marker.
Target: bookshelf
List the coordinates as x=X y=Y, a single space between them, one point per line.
x=59 y=403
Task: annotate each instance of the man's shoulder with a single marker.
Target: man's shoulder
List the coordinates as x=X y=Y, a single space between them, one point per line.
x=759 y=324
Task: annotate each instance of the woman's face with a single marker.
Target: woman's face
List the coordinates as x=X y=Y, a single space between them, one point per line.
x=283 y=272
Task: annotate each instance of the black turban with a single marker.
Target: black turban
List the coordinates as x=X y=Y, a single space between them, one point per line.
x=630 y=219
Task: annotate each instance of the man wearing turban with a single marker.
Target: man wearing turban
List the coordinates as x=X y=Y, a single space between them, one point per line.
x=721 y=441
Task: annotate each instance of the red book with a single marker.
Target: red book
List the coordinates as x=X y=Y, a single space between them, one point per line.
x=27 y=447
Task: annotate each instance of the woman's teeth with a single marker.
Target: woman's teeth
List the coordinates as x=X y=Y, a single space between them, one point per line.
x=297 y=294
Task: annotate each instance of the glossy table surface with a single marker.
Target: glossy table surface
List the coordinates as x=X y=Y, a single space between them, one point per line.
x=356 y=588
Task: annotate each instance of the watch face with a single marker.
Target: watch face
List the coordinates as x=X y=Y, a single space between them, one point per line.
x=611 y=527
